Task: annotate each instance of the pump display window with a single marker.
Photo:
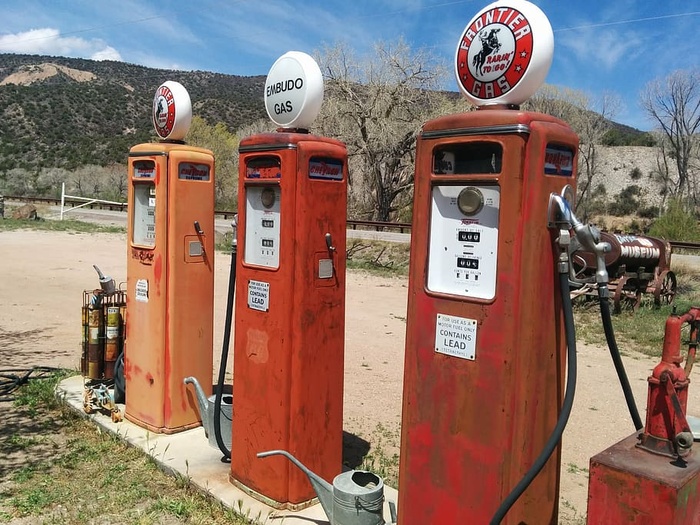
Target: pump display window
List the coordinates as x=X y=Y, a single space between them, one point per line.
x=468 y=158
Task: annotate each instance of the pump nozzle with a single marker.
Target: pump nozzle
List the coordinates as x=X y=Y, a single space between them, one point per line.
x=560 y=214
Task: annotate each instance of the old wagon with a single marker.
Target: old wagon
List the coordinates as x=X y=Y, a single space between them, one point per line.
x=636 y=265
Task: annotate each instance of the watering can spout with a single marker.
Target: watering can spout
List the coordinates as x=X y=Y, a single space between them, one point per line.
x=324 y=490
x=201 y=401
x=106 y=283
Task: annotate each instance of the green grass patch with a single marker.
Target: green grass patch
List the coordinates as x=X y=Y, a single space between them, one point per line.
x=378 y=257
x=641 y=330
x=91 y=476
x=38 y=393
x=383 y=457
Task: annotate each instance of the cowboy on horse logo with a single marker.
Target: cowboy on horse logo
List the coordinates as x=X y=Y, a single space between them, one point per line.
x=494 y=52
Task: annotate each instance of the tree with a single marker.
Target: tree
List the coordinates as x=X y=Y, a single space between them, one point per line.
x=590 y=119
x=376 y=105
x=673 y=104
x=223 y=145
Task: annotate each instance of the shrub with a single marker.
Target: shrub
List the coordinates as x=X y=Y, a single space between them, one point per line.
x=677 y=224
x=636 y=173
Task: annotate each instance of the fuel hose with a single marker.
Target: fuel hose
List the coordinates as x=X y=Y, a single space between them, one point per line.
x=615 y=355
x=555 y=436
x=224 y=352
x=12 y=379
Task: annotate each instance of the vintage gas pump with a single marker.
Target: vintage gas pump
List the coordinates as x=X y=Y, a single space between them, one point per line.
x=653 y=476
x=170 y=270
x=485 y=342
x=290 y=300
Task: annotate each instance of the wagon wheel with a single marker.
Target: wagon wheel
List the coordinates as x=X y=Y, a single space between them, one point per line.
x=665 y=290
x=617 y=296
x=632 y=297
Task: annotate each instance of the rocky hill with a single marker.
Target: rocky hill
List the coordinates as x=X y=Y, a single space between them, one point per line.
x=58 y=112
x=67 y=112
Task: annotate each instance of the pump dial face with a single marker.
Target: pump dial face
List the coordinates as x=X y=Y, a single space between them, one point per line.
x=470 y=201
x=267 y=197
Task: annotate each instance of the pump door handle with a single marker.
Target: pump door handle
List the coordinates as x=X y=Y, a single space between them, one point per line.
x=198 y=228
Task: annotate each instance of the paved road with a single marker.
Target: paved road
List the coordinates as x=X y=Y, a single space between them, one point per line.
x=118 y=218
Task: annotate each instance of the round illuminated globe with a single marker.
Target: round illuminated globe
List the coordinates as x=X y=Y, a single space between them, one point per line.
x=294 y=90
x=172 y=111
x=504 y=53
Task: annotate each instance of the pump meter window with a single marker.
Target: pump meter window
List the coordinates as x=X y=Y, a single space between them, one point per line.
x=144 y=226
x=262 y=226
x=468 y=158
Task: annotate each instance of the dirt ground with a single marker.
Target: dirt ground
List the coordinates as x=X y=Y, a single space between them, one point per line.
x=43 y=276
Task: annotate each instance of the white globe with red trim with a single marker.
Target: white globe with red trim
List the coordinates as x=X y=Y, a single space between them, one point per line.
x=504 y=53
x=172 y=111
x=294 y=90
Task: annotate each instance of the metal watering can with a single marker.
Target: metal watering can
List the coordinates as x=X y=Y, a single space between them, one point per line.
x=206 y=411
x=355 y=498
x=107 y=284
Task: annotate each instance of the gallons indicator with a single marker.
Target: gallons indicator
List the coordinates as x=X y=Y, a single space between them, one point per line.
x=469 y=236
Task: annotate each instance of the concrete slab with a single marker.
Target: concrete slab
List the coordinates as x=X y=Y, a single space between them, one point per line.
x=189 y=456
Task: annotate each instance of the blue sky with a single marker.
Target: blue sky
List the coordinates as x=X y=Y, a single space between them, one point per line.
x=600 y=45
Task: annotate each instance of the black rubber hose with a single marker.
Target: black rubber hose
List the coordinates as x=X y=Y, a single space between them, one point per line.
x=555 y=436
x=224 y=354
x=12 y=379
x=119 y=379
x=615 y=354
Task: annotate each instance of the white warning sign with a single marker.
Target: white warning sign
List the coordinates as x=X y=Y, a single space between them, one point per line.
x=455 y=336
x=141 y=290
x=259 y=295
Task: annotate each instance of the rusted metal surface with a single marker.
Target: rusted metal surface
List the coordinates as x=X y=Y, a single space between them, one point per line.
x=288 y=360
x=472 y=428
x=636 y=265
x=666 y=430
x=170 y=284
x=630 y=486
x=101 y=343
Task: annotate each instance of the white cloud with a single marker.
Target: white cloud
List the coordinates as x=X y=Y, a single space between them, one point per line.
x=602 y=48
x=49 y=41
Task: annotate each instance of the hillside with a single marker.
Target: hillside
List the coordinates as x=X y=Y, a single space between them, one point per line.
x=67 y=112
x=58 y=112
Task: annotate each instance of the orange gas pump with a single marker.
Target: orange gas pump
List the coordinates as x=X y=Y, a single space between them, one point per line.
x=290 y=301
x=485 y=342
x=170 y=270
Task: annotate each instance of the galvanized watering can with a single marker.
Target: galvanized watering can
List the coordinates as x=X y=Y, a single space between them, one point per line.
x=206 y=411
x=355 y=498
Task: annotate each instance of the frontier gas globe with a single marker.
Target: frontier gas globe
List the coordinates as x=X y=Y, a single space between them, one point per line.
x=504 y=53
x=172 y=111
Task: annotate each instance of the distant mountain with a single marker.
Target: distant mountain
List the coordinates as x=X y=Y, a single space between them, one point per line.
x=69 y=112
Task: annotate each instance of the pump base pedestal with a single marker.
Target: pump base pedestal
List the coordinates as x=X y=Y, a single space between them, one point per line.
x=293 y=507
x=628 y=485
x=162 y=429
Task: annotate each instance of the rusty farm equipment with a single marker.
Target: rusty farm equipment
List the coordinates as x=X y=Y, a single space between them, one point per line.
x=636 y=265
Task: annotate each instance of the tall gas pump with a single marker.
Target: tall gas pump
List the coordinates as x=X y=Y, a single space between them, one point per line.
x=485 y=342
x=290 y=302
x=170 y=270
